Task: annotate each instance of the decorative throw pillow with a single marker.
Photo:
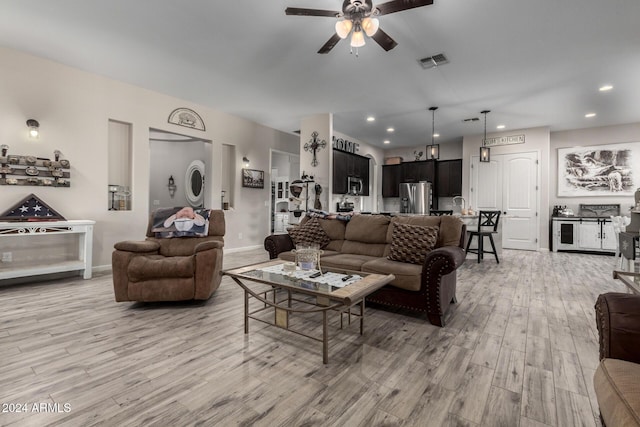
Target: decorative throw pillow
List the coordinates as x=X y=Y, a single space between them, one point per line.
x=412 y=243
x=311 y=232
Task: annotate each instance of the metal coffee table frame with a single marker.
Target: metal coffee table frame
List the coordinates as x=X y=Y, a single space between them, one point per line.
x=341 y=299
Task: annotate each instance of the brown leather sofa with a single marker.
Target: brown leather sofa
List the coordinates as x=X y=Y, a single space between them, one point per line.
x=617 y=378
x=363 y=244
x=173 y=269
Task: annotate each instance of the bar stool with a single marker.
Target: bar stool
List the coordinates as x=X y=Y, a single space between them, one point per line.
x=486 y=219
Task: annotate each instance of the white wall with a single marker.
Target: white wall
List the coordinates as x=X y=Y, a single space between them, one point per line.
x=170 y=158
x=448 y=151
x=74 y=108
x=585 y=137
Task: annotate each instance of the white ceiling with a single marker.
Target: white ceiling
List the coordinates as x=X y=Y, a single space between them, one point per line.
x=532 y=62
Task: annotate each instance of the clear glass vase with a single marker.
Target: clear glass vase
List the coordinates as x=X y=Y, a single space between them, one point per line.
x=307 y=256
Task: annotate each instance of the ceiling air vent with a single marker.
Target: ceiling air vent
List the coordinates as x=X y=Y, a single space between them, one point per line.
x=472 y=119
x=433 y=61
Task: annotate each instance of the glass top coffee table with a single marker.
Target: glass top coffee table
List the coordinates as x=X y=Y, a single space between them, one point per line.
x=268 y=281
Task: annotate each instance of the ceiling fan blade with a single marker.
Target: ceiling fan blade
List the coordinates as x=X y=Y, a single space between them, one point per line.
x=384 y=40
x=400 y=5
x=310 y=12
x=330 y=44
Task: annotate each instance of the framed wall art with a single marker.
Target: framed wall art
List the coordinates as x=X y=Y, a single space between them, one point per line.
x=599 y=170
x=252 y=178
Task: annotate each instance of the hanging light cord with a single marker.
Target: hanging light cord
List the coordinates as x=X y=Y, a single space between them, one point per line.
x=484 y=141
x=433 y=124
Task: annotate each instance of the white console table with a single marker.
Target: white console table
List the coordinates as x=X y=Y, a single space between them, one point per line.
x=24 y=230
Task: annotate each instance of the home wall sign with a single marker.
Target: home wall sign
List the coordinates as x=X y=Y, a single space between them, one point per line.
x=345 y=145
x=187 y=118
x=504 y=140
x=314 y=145
x=31 y=170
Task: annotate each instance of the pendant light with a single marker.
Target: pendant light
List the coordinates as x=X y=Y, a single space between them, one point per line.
x=485 y=153
x=433 y=150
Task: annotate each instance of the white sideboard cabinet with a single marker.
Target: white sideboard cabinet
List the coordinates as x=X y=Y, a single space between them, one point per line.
x=583 y=234
x=83 y=229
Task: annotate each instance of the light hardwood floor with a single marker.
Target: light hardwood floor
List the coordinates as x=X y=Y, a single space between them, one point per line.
x=519 y=349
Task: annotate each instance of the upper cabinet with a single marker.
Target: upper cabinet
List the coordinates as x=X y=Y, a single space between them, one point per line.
x=449 y=178
x=347 y=165
x=446 y=176
x=391 y=180
x=418 y=171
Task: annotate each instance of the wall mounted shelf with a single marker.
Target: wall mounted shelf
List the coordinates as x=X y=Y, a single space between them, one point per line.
x=30 y=170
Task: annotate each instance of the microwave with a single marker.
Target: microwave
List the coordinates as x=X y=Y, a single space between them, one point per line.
x=355 y=186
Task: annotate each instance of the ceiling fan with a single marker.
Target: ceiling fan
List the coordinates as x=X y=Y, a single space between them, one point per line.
x=361 y=17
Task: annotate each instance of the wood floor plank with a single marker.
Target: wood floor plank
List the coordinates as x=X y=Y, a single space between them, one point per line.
x=567 y=372
x=509 y=372
x=538 y=353
x=473 y=392
x=522 y=329
x=487 y=351
x=502 y=409
x=573 y=409
x=538 y=396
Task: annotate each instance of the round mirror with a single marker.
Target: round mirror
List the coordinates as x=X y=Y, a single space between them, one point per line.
x=194 y=183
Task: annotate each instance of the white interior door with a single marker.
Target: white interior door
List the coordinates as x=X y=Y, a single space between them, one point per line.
x=520 y=201
x=486 y=184
x=509 y=183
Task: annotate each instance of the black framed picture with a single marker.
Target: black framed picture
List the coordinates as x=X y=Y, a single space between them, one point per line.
x=252 y=178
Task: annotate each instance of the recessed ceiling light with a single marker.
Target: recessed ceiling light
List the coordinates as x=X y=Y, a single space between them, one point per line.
x=371 y=119
x=386 y=141
x=605 y=88
x=589 y=115
x=435 y=135
x=390 y=130
x=500 y=127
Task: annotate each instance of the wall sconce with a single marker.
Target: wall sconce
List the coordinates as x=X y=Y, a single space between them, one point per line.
x=485 y=152
x=4 y=148
x=57 y=154
x=245 y=162
x=34 y=128
x=172 y=187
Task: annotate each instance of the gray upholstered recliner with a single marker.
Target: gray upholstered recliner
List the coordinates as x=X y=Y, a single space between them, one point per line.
x=173 y=269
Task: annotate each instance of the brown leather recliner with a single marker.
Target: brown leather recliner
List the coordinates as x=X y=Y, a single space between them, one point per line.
x=618 y=375
x=173 y=269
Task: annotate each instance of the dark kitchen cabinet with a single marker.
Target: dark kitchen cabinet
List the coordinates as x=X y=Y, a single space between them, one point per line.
x=418 y=171
x=340 y=174
x=347 y=165
x=391 y=180
x=449 y=178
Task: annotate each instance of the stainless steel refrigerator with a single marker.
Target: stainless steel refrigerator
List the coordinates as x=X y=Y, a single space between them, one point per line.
x=415 y=197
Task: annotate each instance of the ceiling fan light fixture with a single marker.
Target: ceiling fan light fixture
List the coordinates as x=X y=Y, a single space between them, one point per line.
x=370 y=26
x=357 y=38
x=343 y=28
